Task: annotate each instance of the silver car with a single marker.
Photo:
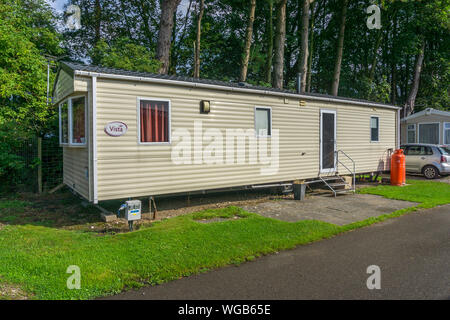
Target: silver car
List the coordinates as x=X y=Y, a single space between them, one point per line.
x=429 y=159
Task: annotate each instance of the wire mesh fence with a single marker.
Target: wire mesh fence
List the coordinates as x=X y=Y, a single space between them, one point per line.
x=52 y=163
x=38 y=165
x=25 y=179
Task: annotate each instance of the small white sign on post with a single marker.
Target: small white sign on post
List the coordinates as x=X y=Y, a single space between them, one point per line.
x=116 y=128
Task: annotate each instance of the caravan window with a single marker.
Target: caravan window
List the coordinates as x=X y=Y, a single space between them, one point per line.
x=374 y=129
x=154 y=121
x=72 y=121
x=447 y=133
x=263 y=122
x=411 y=138
x=78 y=121
x=429 y=133
x=64 y=122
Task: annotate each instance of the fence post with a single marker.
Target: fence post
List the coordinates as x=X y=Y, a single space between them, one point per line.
x=39 y=146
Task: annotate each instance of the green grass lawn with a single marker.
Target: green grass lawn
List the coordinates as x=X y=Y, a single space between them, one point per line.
x=35 y=258
x=428 y=193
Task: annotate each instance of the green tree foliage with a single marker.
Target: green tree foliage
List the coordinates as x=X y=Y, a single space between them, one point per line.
x=11 y=164
x=136 y=20
x=376 y=64
x=434 y=24
x=223 y=38
x=27 y=32
x=124 y=54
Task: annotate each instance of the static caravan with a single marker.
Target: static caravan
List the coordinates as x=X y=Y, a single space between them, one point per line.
x=131 y=134
x=427 y=126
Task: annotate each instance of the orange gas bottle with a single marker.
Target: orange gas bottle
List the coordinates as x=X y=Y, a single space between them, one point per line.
x=398 y=168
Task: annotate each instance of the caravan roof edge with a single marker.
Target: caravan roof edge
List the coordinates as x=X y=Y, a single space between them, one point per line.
x=231 y=88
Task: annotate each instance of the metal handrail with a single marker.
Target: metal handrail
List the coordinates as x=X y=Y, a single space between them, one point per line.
x=354 y=167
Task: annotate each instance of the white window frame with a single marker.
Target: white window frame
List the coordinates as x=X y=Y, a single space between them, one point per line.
x=59 y=123
x=257 y=135
x=443 y=133
x=138 y=111
x=70 y=124
x=370 y=128
x=439 y=131
x=415 y=132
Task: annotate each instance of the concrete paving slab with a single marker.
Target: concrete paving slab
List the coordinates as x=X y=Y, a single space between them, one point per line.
x=341 y=210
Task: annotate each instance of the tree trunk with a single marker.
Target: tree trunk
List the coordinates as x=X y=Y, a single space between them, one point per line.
x=375 y=56
x=98 y=19
x=197 y=45
x=303 y=62
x=269 y=33
x=126 y=18
x=280 y=37
x=186 y=18
x=340 y=49
x=311 y=46
x=175 y=51
x=143 y=12
x=393 y=83
x=248 y=41
x=393 y=63
x=409 y=105
x=173 y=60
x=168 y=7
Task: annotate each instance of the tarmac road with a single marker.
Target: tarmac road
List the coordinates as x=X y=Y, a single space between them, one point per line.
x=412 y=251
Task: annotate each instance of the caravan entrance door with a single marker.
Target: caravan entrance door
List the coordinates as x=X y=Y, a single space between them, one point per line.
x=327 y=141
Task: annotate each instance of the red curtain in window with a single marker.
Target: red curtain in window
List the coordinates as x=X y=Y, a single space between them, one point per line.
x=154 y=121
x=78 y=125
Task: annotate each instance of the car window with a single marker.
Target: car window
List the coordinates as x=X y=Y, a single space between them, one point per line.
x=413 y=150
x=418 y=151
x=444 y=150
x=406 y=150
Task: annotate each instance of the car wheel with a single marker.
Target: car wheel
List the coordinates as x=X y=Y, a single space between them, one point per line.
x=430 y=172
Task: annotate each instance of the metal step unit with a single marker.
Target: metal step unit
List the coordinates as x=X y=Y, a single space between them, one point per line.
x=333 y=181
x=336 y=182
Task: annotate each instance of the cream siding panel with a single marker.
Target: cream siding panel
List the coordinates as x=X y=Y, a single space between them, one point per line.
x=353 y=137
x=64 y=86
x=74 y=170
x=128 y=169
x=77 y=166
x=82 y=84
